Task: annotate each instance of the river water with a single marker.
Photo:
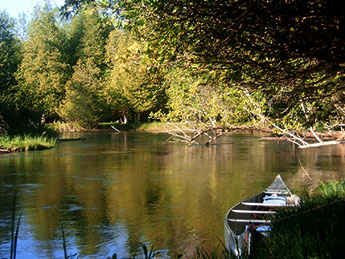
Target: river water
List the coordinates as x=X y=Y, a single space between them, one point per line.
x=114 y=190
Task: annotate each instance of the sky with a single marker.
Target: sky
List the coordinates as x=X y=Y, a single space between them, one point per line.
x=15 y=7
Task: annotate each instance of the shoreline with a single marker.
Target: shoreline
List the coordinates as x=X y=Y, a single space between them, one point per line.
x=14 y=144
x=26 y=143
x=160 y=127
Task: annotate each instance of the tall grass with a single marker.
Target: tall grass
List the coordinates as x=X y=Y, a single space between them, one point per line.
x=315 y=230
x=26 y=143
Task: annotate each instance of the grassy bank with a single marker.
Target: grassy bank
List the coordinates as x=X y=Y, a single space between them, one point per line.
x=315 y=230
x=153 y=126
x=27 y=138
x=25 y=143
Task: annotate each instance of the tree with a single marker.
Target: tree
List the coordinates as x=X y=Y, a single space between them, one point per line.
x=262 y=34
x=206 y=107
x=85 y=101
x=9 y=62
x=135 y=83
x=44 y=71
x=9 y=55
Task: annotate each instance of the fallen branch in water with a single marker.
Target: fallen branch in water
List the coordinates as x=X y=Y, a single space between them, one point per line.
x=180 y=135
x=291 y=136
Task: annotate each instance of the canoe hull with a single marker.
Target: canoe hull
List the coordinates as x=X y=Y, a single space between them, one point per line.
x=240 y=219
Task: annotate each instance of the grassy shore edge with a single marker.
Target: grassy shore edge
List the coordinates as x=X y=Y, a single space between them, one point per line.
x=25 y=143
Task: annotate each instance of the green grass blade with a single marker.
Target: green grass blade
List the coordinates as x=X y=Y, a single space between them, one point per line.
x=143 y=246
x=64 y=242
x=13 y=223
x=16 y=238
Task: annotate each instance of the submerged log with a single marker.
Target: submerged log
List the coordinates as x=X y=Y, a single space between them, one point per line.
x=71 y=139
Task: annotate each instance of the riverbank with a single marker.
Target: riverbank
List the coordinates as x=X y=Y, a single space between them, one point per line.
x=152 y=126
x=160 y=127
x=155 y=126
x=37 y=137
x=25 y=143
x=31 y=140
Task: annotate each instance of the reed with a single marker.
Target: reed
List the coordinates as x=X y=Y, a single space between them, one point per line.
x=219 y=252
x=202 y=253
x=149 y=254
x=64 y=242
x=14 y=227
x=64 y=245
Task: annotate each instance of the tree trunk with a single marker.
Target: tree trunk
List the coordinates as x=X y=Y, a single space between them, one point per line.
x=43 y=119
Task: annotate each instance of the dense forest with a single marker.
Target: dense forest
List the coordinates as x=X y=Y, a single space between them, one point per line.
x=206 y=63
x=81 y=69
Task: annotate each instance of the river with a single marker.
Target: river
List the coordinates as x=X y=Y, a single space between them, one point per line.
x=114 y=190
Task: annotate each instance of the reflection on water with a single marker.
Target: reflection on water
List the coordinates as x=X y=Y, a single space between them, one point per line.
x=113 y=190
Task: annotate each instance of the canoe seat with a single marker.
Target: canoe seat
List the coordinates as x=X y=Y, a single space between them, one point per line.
x=276 y=192
x=250 y=221
x=274 y=199
x=266 y=204
x=254 y=211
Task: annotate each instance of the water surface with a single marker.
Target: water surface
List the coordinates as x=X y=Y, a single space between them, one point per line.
x=114 y=190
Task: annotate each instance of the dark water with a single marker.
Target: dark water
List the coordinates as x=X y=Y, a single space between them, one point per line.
x=113 y=191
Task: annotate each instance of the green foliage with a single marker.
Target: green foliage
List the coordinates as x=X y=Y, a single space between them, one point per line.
x=188 y=61
x=297 y=57
x=9 y=55
x=151 y=126
x=200 y=99
x=201 y=253
x=61 y=126
x=43 y=72
x=85 y=102
x=333 y=190
x=135 y=84
x=9 y=62
x=149 y=254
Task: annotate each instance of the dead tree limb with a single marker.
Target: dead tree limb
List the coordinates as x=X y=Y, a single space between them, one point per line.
x=294 y=138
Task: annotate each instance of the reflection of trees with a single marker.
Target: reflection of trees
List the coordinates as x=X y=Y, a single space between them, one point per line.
x=189 y=184
x=172 y=196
